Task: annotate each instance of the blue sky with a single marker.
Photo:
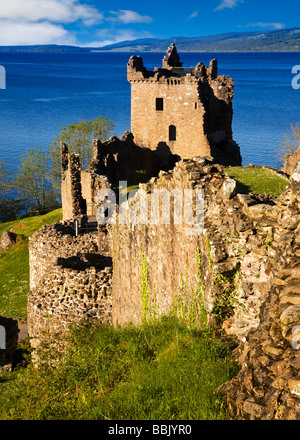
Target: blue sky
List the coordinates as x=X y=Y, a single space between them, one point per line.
x=96 y=23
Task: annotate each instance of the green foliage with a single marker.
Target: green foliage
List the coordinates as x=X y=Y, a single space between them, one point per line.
x=158 y=371
x=257 y=180
x=289 y=144
x=226 y=295
x=79 y=137
x=208 y=248
x=9 y=207
x=14 y=263
x=199 y=297
x=145 y=288
x=33 y=182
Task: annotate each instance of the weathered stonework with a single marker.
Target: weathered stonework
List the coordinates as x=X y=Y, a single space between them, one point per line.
x=184 y=112
x=291 y=161
x=70 y=280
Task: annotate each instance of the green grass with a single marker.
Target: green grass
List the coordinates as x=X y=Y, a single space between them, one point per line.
x=159 y=371
x=14 y=264
x=257 y=180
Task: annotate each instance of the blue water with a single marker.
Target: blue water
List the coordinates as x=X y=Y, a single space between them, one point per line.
x=46 y=91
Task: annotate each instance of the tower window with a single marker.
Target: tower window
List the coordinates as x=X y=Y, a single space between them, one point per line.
x=172 y=133
x=159 y=104
x=196 y=105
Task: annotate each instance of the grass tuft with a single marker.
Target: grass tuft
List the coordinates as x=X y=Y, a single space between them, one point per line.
x=257 y=180
x=158 y=371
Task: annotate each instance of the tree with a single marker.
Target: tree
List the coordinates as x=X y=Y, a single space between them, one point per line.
x=289 y=144
x=9 y=207
x=79 y=137
x=33 y=181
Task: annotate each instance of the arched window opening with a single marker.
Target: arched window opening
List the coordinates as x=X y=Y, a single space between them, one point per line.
x=159 y=104
x=172 y=133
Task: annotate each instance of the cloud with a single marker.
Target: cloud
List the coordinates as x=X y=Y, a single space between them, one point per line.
x=57 y=11
x=260 y=24
x=126 y=16
x=29 y=22
x=193 y=15
x=228 y=4
x=22 y=33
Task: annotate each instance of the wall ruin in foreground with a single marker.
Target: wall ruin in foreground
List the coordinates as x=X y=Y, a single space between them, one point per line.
x=246 y=259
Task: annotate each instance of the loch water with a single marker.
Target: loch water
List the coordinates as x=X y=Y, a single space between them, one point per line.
x=45 y=91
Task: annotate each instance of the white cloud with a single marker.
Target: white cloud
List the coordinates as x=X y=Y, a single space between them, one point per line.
x=26 y=22
x=260 y=24
x=111 y=36
x=59 y=11
x=22 y=33
x=126 y=16
x=228 y=4
x=193 y=15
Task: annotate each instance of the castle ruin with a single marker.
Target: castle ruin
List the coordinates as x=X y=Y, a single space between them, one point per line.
x=182 y=111
x=249 y=243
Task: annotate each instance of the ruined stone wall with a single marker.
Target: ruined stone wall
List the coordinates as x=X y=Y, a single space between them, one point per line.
x=232 y=248
x=56 y=241
x=73 y=204
x=66 y=296
x=70 y=280
x=291 y=161
x=249 y=252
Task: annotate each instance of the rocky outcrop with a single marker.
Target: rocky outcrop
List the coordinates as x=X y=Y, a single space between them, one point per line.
x=268 y=385
x=291 y=162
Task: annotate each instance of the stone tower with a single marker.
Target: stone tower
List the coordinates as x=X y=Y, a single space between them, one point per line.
x=182 y=111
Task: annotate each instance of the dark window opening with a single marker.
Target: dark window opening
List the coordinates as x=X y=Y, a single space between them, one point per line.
x=196 y=105
x=172 y=133
x=159 y=104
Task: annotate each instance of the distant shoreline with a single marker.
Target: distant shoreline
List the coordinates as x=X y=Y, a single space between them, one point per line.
x=82 y=52
x=283 y=40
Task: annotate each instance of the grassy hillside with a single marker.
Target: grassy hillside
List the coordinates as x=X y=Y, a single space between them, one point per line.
x=14 y=264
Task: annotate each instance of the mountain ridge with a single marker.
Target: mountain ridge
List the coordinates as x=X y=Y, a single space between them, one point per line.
x=283 y=40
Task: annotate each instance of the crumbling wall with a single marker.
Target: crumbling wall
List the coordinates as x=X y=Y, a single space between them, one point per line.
x=73 y=204
x=249 y=270
x=268 y=385
x=231 y=249
x=70 y=280
x=291 y=161
x=121 y=159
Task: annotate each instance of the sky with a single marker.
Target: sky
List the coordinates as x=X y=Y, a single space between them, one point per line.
x=95 y=23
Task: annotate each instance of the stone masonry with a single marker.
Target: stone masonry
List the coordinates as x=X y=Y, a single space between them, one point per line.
x=70 y=280
x=182 y=111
